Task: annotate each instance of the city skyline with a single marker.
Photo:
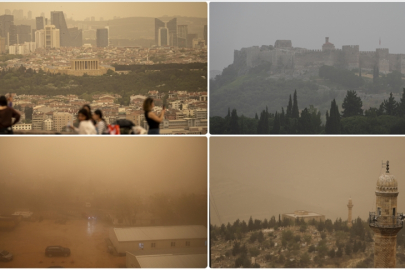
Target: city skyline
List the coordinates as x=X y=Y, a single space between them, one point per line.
x=106 y=9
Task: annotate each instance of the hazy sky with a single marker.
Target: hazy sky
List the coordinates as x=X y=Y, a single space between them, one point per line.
x=261 y=177
x=107 y=10
x=138 y=164
x=237 y=25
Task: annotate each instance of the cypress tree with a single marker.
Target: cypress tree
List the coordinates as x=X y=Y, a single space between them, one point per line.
x=289 y=108
x=233 y=125
x=276 y=125
x=295 y=113
x=333 y=120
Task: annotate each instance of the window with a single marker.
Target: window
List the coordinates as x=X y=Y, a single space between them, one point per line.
x=379 y=211
x=187 y=243
x=173 y=244
x=153 y=245
x=393 y=211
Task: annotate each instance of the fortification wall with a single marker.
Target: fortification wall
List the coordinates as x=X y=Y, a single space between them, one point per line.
x=246 y=56
x=368 y=60
x=383 y=60
x=397 y=62
x=314 y=58
x=351 y=56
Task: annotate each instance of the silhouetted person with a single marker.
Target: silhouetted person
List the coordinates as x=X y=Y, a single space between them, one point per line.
x=85 y=124
x=6 y=115
x=87 y=107
x=101 y=125
x=152 y=119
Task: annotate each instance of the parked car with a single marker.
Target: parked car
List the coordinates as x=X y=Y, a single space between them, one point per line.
x=5 y=256
x=57 y=251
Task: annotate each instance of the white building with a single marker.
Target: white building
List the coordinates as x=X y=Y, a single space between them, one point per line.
x=49 y=37
x=167 y=261
x=47 y=124
x=160 y=240
x=22 y=127
x=61 y=120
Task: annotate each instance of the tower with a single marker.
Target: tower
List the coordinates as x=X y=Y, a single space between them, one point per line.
x=349 y=208
x=386 y=222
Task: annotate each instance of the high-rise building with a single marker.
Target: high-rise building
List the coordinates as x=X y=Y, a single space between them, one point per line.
x=40 y=38
x=29 y=15
x=12 y=35
x=33 y=35
x=163 y=36
x=102 y=37
x=190 y=38
x=349 y=208
x=52 y=37
x=93 y=18
x=18 y=14
x=182 y=31
x=386 y=222
x=24 y=33
x=2 y=45
x=172 y=26
x=68 y=37
x=5 y=22
x=158 y=24
x=205 y=34
x=40 y=22
x=7 y=12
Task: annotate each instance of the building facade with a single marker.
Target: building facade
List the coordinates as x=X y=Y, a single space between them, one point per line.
x=61 y=120
x=102 y=37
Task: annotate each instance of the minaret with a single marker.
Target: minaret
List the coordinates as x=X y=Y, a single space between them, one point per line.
x=386 y=222
x=349 y=218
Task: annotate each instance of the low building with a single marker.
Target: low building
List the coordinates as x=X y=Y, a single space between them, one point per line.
x=22 y=127
x=304 y=215
x=160 y=240
x=167 y=261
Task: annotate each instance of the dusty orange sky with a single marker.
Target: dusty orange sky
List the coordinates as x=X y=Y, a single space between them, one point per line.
x=144 y=165
x=261 y=177
x=107 y=10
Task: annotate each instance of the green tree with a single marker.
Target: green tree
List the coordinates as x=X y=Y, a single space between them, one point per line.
x=289 y=108
x=234 y=126
x=295 y=112
x=332 y=125
x=305 y=260
x=390 y=106
x=352 y=104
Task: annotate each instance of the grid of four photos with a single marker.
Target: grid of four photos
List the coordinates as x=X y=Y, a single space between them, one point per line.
x=255 y=98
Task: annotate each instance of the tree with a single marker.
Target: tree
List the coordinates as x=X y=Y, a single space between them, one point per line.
x=352 y=104
x=250 y=224
x=332 y=125
x=305 y=260
x=390 y=106
x=348 y=249
x=295 y=112
x=28 y=112
x=234 y=126
x=289 y=108
x=401 y=104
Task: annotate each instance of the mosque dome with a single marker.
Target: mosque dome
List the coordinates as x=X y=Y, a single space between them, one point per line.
x=387 y=183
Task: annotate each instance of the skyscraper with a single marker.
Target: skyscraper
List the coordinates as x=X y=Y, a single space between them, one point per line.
x=182 y=36
x=29 y=15
x=52 y=36
x=158 y=24
x=40 y=22
x=24 y=33
x=205 y=34
x=5 y=22
x=102 y=37
x=68 y=37
x=12 y=35
x=172 y=26
x=163 y=36
x=386 y=222
x=190 y=38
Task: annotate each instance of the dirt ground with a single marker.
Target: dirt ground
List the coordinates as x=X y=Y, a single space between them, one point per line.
x=86 y=240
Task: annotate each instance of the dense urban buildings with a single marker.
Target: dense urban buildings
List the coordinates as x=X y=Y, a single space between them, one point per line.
x=69 y=37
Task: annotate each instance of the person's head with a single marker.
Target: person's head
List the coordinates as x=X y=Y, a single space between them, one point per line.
x=98 y=115
x=148 y=104
x=87 y=107
x=3 y=101
x=83 y=114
